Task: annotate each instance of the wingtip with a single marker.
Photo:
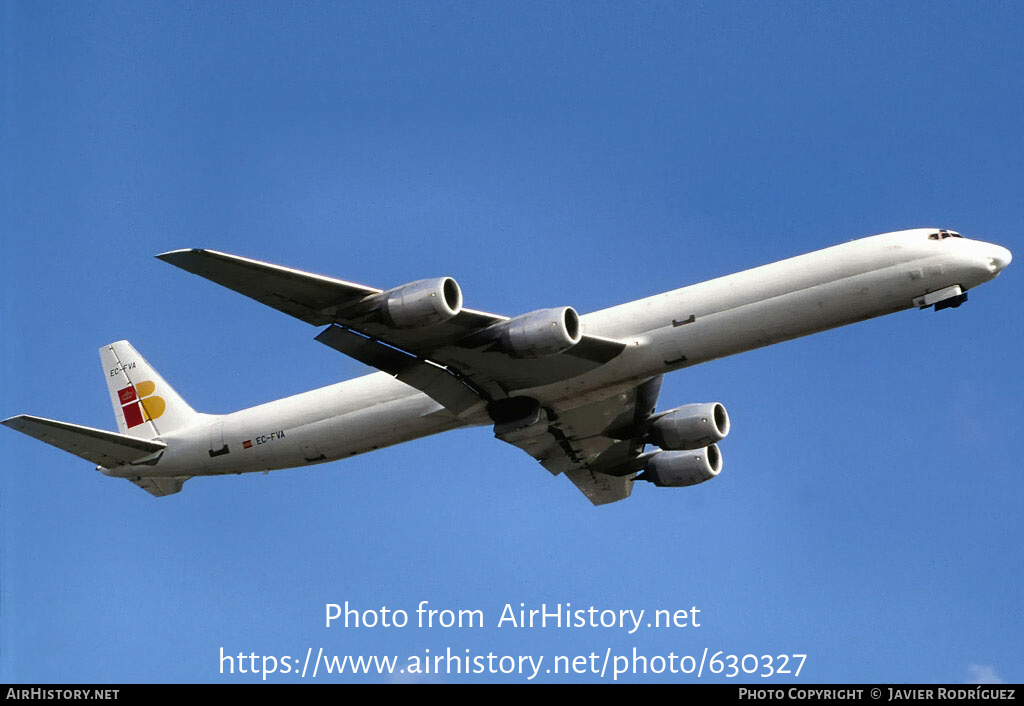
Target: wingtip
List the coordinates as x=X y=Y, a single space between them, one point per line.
x=170 y=254
x=17 y=422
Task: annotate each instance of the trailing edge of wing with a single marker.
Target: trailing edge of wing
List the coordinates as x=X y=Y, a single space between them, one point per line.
x=104 y=448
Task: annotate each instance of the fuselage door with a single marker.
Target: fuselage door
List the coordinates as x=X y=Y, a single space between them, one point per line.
x=217 y=445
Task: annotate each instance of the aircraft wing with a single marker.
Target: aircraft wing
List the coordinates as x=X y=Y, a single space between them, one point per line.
x=598 y=446
x=462 y=347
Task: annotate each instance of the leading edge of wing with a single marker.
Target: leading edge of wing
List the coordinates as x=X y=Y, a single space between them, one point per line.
x=188 y=258
x=452 y=343
x=588 y=445
x=303 y=295
x=317 y=300
x=307 y=296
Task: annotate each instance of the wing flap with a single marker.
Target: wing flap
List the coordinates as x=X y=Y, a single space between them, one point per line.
x=600 y=488
x=104 y=448
x=597 y=446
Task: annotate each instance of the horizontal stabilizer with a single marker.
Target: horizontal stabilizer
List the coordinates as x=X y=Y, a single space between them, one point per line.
x=104 y=448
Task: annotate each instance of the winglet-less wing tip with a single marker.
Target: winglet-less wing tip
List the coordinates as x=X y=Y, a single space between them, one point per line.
x=173 y=256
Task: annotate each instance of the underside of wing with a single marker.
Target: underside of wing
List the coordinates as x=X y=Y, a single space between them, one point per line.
x=103 y=448
x=601 y=488
x=491 y=356
x=437 y=381
x=466 y=360
x=300 y=294
x=592 y=445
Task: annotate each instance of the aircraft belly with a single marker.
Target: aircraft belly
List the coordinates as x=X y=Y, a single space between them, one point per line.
x=272 y=437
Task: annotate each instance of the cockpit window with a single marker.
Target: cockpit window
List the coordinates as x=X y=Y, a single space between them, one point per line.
x=943 y=234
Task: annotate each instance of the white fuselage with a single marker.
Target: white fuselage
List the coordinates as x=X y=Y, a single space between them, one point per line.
x=839 y=285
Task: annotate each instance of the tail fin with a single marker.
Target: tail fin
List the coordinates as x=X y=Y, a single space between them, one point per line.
x=145 y=406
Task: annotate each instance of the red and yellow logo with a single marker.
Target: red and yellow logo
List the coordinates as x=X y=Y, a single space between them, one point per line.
x=139 y=404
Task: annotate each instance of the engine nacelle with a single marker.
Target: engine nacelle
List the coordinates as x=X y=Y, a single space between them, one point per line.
x=675 y=469
x=543 y=332
x=422 y=303
x=691 y=426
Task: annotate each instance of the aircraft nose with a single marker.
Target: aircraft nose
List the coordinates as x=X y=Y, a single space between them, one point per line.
x=998 y=259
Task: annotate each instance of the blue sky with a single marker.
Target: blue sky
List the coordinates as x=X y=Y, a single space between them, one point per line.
x=544 y=154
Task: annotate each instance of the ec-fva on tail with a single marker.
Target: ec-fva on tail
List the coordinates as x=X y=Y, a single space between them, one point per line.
x=578 y=393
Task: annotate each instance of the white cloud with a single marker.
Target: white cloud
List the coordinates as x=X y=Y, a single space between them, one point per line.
x=983 y=674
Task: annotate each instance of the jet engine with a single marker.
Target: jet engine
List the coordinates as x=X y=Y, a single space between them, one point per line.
x=543 y=332
x=691 y=426
x=422 y=303
x=675 y=469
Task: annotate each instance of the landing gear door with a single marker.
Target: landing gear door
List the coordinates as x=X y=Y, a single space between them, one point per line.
x=311 y=453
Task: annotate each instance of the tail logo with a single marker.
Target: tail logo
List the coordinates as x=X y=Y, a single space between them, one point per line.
x=139 y=404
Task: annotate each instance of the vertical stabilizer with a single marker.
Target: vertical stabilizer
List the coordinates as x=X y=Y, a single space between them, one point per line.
x=145 y=406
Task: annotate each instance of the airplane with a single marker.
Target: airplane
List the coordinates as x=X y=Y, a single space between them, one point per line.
x=578 y=393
